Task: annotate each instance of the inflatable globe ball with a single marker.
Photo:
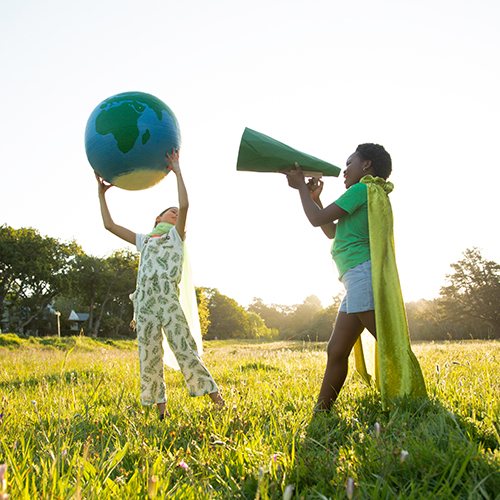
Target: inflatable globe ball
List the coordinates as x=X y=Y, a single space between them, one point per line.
x=127 y=138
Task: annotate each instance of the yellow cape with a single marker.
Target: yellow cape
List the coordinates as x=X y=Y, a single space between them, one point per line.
x=397 y=372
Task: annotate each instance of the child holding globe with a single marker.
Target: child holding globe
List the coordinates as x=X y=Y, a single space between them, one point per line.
x=360 y=223
x=156 y=299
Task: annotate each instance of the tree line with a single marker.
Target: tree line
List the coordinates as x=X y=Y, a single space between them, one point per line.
x=468 y=306
x=41 y=277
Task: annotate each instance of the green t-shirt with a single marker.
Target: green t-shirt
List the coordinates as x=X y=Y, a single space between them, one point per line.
x=351 y=245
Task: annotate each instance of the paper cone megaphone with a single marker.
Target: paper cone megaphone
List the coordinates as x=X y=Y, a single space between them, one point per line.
x=260 y=153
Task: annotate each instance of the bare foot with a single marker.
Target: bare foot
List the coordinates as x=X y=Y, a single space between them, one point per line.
x=162 y=410
x=217 y=399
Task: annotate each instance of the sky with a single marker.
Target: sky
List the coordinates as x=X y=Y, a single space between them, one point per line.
x=421 y=78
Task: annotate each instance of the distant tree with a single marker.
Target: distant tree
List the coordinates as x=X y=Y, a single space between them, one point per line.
x=321 y=326
x=258 y=328
x=473 y=291
x=203 y=311
x=425 y=320
x=105 y=284
x=120 y=273
x=87 y=283
x=227 y=318
x=274 y=315
x=301 y=319
x=34 y=269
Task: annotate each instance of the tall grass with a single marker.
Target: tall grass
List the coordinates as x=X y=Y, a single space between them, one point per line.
x=72 y=426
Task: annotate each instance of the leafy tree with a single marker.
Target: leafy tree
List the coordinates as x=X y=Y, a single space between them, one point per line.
x=227 y=318
x=104 y=285
x=426 y=321
x=303 y=321
x=203 y=311
x=34 y=269
x=473 y=291
x=274 y=315
x=119 y=281
x=323 y=320
x=87 y=282
x=258 y=328
x=300 y=321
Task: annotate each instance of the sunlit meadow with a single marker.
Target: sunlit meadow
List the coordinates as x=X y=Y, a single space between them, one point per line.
x=72 y=427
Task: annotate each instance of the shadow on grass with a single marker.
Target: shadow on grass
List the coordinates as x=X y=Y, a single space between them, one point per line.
x=259 y=366
x=418 y=449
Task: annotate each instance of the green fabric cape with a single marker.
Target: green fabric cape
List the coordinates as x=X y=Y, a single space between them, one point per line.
x=260 y=153
x=397 y=372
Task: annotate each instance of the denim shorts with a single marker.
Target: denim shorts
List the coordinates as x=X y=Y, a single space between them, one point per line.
x=359 y=292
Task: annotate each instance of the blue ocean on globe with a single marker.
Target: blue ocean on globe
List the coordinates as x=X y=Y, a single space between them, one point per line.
x=127 y=138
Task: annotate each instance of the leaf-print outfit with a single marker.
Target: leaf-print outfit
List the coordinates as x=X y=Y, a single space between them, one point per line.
x=158 y=311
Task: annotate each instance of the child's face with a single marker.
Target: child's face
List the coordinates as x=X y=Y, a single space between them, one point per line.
x=356 y=168
x=169 y=216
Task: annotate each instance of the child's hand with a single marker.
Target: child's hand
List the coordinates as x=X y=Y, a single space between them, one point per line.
x=315 y=188
x=102 y=187
x=174 y=161
x=296 y=178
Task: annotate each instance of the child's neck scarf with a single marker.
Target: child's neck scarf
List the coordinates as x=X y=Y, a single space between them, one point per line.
x=161 y=229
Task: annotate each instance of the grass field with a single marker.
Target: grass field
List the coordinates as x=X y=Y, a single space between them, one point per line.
x=72 y=427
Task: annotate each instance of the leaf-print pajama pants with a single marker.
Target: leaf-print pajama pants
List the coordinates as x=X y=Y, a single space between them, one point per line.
x=157 y=310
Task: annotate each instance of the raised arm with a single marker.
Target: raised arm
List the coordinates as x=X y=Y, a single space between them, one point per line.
x=317 y=216
x=315 y=188
x=121 y=232
x=180 y=225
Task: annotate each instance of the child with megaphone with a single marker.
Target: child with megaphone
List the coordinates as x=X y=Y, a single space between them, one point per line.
x=361 y=225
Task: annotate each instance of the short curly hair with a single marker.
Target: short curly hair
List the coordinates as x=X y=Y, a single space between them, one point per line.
x=380 y=158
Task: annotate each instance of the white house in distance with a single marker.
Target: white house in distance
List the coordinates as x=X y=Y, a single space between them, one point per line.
x=77 y=319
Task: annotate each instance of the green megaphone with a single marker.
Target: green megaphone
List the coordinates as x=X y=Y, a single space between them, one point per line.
x=261 y=153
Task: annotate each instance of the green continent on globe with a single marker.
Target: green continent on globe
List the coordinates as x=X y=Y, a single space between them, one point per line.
x=121 y=120
x=146 y=136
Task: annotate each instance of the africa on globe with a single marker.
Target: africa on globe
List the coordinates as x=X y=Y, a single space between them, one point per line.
x=127 y=138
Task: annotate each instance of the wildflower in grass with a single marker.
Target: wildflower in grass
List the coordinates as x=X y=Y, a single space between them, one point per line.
x=349 y=489
x=183 y=464
x=287 y=494
x=376 y=429
x=403 y=456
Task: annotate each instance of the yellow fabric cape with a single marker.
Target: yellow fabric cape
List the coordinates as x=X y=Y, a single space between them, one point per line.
x=397 y=372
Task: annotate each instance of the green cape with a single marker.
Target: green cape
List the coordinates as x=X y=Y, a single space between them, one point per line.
x=397 y=372
x=260 y=153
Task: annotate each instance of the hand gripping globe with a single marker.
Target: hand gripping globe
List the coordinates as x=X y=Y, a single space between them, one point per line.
x=127 y=138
